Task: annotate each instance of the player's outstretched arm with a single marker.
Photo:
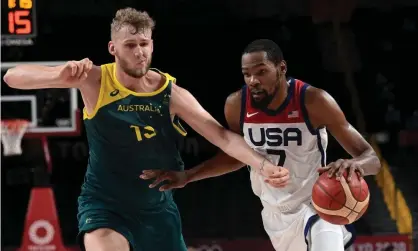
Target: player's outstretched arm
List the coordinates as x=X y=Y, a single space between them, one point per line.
x=221 y=163
x=70 y=75
x=324 y=111
x=186 y=107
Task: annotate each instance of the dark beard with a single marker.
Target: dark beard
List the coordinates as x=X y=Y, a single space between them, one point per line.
x=265 y=102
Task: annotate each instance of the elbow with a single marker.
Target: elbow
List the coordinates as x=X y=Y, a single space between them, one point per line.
x=377 y=165
x=11 y=78
x=8 y=78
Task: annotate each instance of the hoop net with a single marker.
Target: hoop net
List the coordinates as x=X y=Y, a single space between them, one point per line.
x=12 y=132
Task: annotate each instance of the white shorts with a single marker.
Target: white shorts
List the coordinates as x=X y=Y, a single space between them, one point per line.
x=290 y=231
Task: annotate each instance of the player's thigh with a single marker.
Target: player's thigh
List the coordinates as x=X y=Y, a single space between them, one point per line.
x=285 y=230
x=160 y=230
x=105 y=239
x=99 y=227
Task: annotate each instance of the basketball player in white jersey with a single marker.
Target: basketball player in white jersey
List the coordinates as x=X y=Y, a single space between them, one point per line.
x=286 y=120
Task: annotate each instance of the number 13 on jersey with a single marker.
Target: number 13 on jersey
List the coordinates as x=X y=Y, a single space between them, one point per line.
x=146 y=132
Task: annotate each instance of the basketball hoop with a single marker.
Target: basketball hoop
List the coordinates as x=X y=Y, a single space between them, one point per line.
x=12 y=132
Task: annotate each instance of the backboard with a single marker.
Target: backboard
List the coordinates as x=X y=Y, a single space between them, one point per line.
x=51 y=112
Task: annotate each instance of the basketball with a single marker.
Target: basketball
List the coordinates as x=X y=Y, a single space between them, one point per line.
x=340 y=202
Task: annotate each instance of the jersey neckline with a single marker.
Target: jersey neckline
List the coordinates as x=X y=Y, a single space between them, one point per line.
x=141 y=94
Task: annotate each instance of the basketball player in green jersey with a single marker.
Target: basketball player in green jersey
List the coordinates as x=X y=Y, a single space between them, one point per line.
x=130 y=116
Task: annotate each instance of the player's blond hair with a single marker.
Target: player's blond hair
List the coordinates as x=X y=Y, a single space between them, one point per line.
x=139 y=21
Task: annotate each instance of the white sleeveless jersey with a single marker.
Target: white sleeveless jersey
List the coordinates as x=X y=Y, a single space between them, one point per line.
x=286 y=138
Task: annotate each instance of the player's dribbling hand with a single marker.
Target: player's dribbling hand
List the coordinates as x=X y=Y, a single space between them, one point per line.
x=176 y=179
x=74 y=71
x=338 y=168
x=275 y=176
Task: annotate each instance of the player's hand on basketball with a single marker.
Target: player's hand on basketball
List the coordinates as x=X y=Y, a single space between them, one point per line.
x=74 y=71
x=175 y=179
x=275 y=176
x=338 y=168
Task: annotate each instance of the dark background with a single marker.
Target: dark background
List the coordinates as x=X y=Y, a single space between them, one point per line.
x=200 y=43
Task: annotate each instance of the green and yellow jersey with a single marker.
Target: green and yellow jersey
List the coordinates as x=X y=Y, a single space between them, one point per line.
x=129 y=132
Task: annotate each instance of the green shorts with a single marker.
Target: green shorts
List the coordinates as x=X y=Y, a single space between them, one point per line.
x=155 y=230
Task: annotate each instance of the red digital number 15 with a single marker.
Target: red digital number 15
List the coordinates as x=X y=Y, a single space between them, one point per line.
x=17 y=18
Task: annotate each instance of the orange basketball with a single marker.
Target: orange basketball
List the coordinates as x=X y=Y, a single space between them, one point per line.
x=340 y=202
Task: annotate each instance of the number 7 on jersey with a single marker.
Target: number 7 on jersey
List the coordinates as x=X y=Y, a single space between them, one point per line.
x=280 y=153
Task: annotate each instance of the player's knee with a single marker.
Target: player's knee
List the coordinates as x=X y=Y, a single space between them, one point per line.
x=325 y=236
x=324 y=226
x=105 y=239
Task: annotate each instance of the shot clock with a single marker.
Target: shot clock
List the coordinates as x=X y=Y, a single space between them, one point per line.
x=18 y=24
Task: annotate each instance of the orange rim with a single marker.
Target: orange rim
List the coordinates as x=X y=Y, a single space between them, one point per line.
x=14 y=125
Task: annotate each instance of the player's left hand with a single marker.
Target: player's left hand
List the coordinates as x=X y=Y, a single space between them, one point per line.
x=338 y=167
x=174 y=179
x=275 y=176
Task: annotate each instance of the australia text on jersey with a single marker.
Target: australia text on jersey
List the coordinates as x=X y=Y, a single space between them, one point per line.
x=138 y=108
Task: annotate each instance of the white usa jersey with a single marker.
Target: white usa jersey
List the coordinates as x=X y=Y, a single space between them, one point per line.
x=285 y=137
